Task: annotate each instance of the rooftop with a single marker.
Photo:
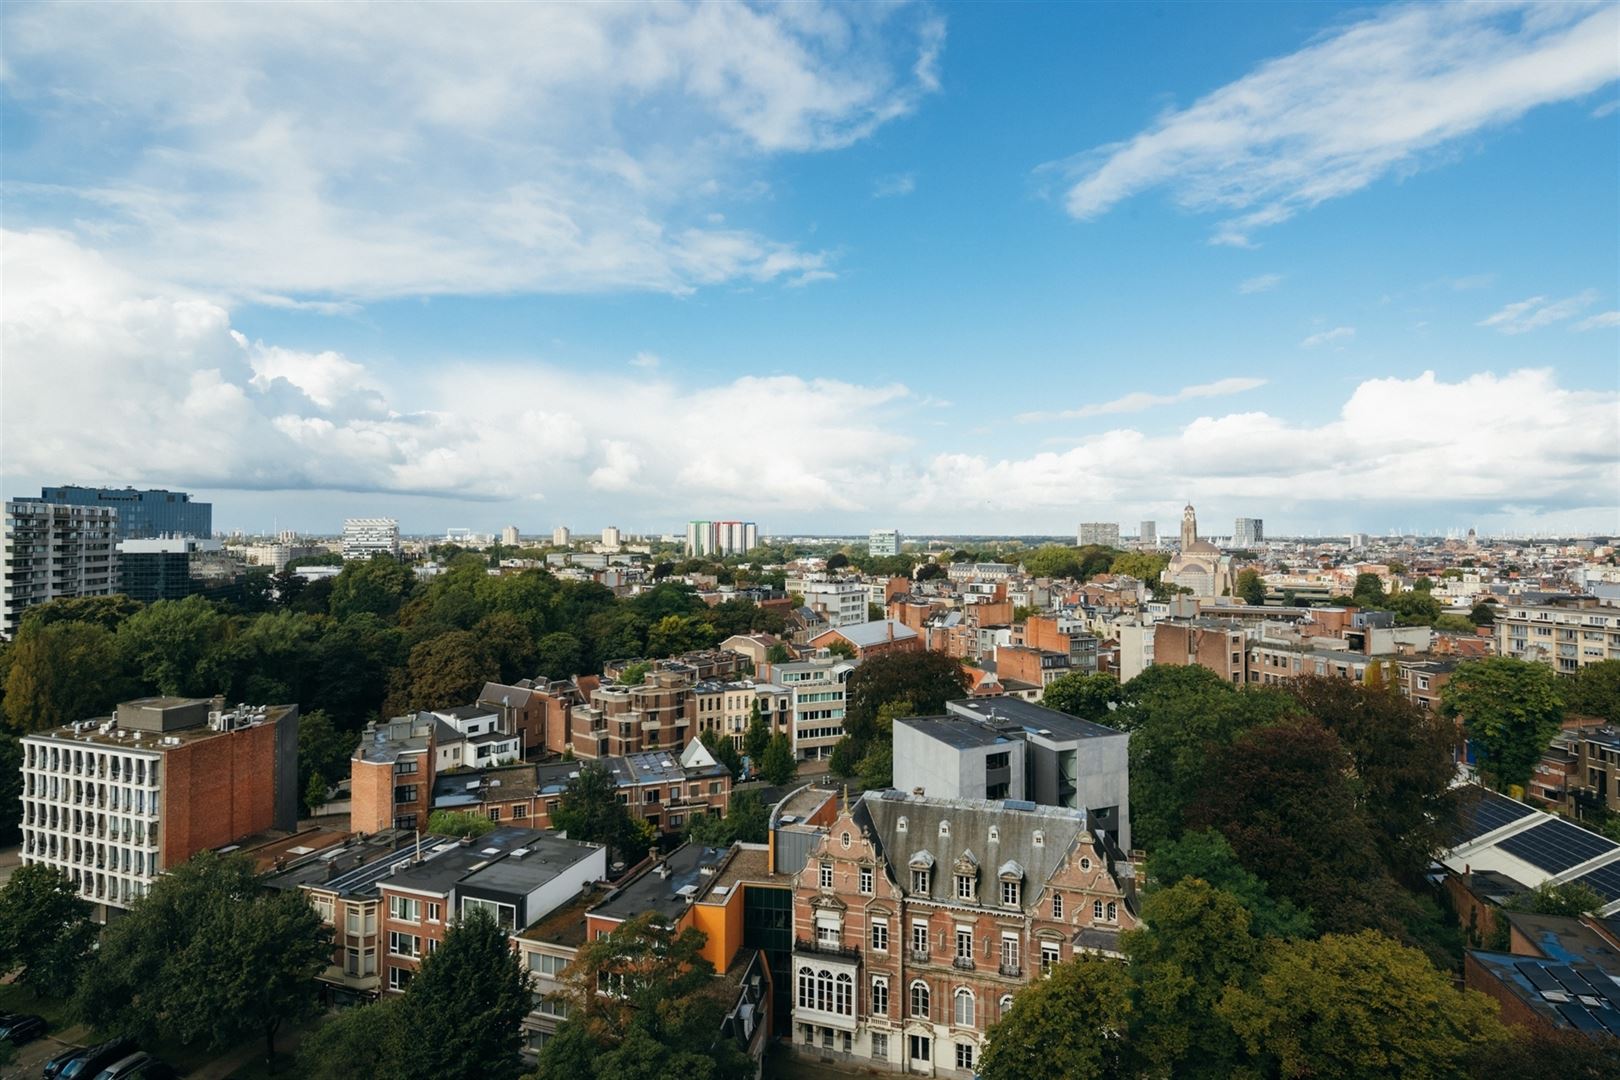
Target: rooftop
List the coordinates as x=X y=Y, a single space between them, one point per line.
x=666 y=888
x=1577 y=996
x=864 y=635
x=113 y=731
x=955 y=731
x=1032 y=718
x=449 y=866
x=566 y=925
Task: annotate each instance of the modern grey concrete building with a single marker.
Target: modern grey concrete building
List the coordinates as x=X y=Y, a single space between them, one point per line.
x=51 y=551
x=141 y=514
x=365 y=537
x=1007 y=748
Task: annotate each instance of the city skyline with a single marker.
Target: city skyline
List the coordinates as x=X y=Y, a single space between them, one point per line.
x=919 y=267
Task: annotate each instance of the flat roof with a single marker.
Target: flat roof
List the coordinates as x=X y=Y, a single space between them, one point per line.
x=955 y=731
x=448 y=867
x=658 y=888
x=565 y=925
x=542 y=859
x=139 y=739
x=1031 y=717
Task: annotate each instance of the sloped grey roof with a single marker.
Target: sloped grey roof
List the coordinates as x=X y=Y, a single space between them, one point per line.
x=1010 y=868
x=922 y=860
x=970 y=823
x=866 y=634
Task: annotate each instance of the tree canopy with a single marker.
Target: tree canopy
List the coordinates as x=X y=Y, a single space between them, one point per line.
x=1069 y=1026
x=1088 y=696
x=1511 y=709
x=589 y=809
x=45 y=930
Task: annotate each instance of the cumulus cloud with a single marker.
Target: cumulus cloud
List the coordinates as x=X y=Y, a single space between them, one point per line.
x=1260 y=283
x=1382 y=95
x=173 y=394
x=646 y=360
x=314 y=156
x=1384 y=447
x=1538 y=311
x=1327 y=337
x=1140 y=400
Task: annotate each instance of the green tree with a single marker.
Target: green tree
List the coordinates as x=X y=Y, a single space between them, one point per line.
x=1596 y=691
x=1251 y=589
x=746 y=819
x=663 y=1018
x=174 y=647
x=757 y=739
x=459 y=823
x=561 y=654
x=778 y=654
x=45 y=930
x=837 y=561
x=1195 y=942
x=929 y=571
x=1285 y=803
x=926 y=679
x=1368 y=591
x=360 y=1041
x=11 y=788
x=1053 y=561
x=1571 y=898
x=1566 y=1054
x=1206 y=855
x=323 y=755
x=1069 y=1026
x=61 y=672
x=378 y=585
x=720 y=746
x=589 y=809
x=508 y=646
x=464 y=1008
x=447 y=670
x=353 y=664
x=1144 y=566
x=107 y=612
x=778 y=766
x=840 y=647
x=1088 y=696
x=1414 y=607
x=1402 y=767
x=1483 y=614
x=207 y=957
x=1454 y=624
x=1511 y=709
x=1359 y=1006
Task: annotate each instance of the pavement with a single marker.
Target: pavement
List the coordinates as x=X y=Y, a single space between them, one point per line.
x=31 y=1059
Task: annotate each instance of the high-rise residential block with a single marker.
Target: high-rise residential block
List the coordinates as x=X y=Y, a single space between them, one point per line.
x=113 y=802
x=509 y=536
x=365 y=537
x=721 y=537
x=883 y=542
x=1104 y=533
x=1148 y=533
x=1248 y=532
x=141 y=514
x=612 y=539
x=561 y=537
x=53 y=551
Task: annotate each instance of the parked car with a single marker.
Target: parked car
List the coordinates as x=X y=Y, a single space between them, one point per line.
x=84 y=1062
x=137 y=1066
x=19 y=1028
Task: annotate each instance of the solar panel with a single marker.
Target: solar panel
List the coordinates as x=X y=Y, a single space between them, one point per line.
x=1555 y=846
x=1539 y=979
x=1609 y=1019
x=1488 y=812
x=1579 y=1018
x=1605 y=879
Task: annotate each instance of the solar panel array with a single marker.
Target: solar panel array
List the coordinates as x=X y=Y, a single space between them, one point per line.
x=1555 y=846
x=1488 y=812
x=1605 y=879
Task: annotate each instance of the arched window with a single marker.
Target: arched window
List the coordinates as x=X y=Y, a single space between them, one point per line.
x=964 y=1008
x=1096 y=909
x=818 y=990
x=919 y=1000
x=1113 y=911
x=1004 y=1006
x=844 y=995
x=880 y=996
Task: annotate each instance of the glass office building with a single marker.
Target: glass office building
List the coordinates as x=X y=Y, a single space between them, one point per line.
x=141 y=514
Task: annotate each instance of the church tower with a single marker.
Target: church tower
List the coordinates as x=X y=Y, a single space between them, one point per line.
x=1189 y=528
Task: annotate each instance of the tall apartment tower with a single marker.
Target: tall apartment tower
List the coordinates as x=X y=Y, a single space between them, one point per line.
x=1248 y=532
x=52 y=551
x=561 y=537
x=114 y=802
x=883 y=542
x=721 y=537
x=141 y=514
x=612 y=539
x=365 y=537
x=1105 y=533
x=1148 y=533
x=510 y=536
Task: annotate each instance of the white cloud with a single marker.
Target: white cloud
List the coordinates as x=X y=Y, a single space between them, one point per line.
x=1327 y=337
x=897 y=184
x=178 y=397
x=1140 y=400
x=1260 y=283
x=1536 y=312
x=1384 y=448
x=1605 y=109
x=310 y=155
x=1596 y=322
x=1378 y=96
x=646 y=360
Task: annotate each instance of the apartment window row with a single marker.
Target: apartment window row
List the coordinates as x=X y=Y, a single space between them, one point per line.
x=88 y=823
x=821 y=990
x=83 y=793
x=106 y=766
x=83 y=853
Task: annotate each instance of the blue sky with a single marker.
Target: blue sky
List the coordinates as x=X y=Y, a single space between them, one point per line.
x=948 y=267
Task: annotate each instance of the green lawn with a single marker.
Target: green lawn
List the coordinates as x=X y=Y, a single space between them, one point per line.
x=15 y=998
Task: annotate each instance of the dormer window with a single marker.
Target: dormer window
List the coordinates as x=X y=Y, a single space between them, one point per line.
x=919 y=882
x=922 y=873
x=1009 y=894
x=945 y=829
x=966 y=888
x=967 y=878
x=1011 y=877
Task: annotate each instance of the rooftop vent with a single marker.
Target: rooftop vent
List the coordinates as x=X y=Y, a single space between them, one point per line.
x=686 y=892
x=518 y=853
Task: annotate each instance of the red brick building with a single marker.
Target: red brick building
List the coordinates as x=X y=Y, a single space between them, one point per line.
x=871 y=639
x=917 y=920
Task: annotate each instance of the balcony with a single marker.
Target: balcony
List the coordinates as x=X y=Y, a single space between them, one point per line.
x=847 y=952
x=919 y=956
x=1011 y=971
x=962 y=963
